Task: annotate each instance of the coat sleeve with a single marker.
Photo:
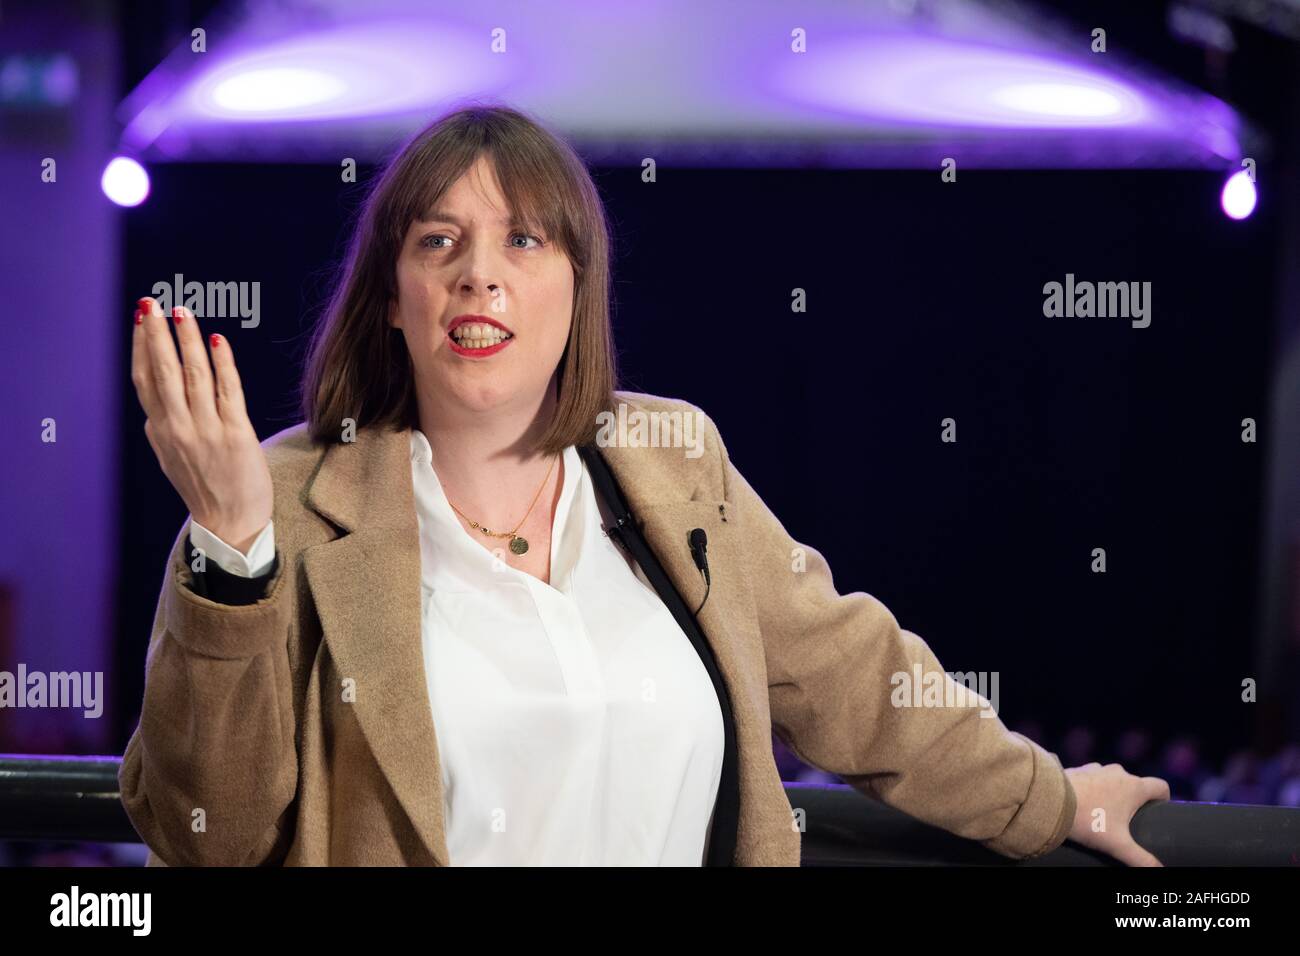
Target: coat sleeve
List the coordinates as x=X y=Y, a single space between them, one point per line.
x=830 y=662
x=209 y=776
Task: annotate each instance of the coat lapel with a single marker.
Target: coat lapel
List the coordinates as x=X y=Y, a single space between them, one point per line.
x=669 y=494
x=366 y=585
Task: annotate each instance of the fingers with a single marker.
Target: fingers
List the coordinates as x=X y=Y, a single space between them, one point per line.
x=1154 y=788
x=196 y=389
x=141 y=374
x=164 y=367
x=196 y=371
x=1130 y=854
x=1129 y=851
x=230 y=391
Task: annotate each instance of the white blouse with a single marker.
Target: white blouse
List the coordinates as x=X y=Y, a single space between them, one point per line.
x=576 y=724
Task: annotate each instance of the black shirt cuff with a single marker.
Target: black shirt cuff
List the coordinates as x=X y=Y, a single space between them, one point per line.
x=222 y=587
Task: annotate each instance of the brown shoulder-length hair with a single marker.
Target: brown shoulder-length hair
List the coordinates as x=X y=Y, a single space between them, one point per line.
x=357 y=365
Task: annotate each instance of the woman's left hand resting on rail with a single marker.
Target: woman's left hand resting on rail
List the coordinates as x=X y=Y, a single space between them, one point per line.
x=1118 y=794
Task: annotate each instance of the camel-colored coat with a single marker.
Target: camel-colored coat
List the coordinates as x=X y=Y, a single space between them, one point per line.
x=249 y=750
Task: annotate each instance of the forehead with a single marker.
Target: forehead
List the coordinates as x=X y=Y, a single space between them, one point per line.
x=442 y=212
x=477 y=186
x=477 y=198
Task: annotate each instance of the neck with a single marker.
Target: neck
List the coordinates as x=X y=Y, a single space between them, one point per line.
x=488 y=462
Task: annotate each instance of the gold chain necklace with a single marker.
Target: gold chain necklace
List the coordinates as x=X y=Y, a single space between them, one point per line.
x=518 y=545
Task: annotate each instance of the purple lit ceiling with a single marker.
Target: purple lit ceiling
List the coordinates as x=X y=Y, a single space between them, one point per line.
x=897 y=83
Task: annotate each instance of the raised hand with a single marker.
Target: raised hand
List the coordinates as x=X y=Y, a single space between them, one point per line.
x=198 y=426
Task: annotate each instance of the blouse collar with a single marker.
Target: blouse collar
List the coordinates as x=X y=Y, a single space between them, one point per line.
x=454 y=560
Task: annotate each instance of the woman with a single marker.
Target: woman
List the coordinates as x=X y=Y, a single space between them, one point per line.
x=451 y=540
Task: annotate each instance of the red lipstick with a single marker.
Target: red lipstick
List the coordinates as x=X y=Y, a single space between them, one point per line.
x=469 y=352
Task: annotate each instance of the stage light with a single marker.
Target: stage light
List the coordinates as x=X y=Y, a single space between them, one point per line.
x=1239 y=197
x=934 y=81
x=125 y=181
x=385 y=68
x=1058 y=100
x=275 y=90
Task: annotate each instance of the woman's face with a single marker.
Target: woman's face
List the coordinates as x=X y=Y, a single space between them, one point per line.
x=465 y=259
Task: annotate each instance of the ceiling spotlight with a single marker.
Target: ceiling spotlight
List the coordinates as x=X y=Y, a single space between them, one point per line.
x=1239 y=196
x=125 y=181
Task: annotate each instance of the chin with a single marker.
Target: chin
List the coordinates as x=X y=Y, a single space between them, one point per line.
x=485 y=397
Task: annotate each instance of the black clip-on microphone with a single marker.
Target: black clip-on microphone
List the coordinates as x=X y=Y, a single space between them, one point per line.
x=699 y=542
x=699 y=551
x=615 y=533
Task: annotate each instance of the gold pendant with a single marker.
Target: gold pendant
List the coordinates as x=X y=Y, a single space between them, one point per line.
x=518 y=545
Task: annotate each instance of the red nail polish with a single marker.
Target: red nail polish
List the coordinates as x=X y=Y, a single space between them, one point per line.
x=178 y=314
x=139 y=316
x=214 y=338
x=143 y=303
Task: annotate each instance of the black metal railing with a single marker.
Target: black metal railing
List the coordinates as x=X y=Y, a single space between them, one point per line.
x=846 y=828
x=76 y=799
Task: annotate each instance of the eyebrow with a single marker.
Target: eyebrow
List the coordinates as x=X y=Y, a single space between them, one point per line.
x=440 y=215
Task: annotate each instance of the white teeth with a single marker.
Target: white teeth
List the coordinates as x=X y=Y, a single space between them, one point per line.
x=475 y=335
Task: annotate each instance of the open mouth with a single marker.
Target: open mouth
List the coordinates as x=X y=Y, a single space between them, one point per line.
x=475 y=336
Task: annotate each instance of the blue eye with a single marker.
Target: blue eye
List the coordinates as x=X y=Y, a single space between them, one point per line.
x=428 y=243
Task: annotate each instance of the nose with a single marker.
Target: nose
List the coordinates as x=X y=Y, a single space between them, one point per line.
x=481 y=294
x=479 y=270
